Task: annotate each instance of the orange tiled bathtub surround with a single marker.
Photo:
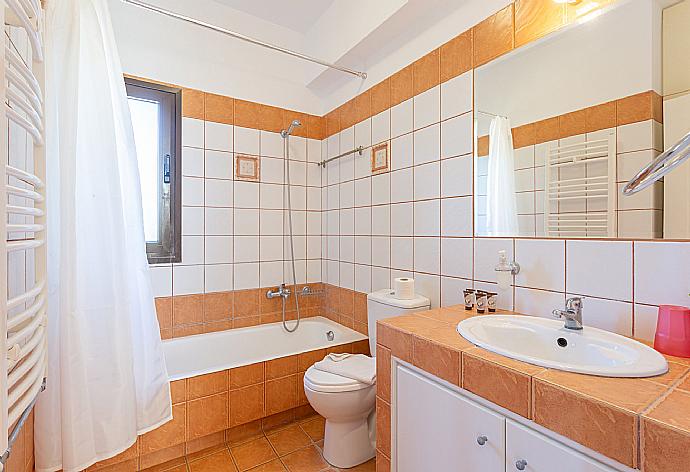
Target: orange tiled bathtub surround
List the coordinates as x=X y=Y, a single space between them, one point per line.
x=184 y=315
x=642 y=423
x=226 y=406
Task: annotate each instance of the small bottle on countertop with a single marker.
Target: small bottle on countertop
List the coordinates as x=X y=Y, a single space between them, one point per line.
x=469 y=298
x=482 y=301
x=491 y=302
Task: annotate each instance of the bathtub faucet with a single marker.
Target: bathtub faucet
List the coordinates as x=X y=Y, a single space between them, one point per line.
x=281 y=291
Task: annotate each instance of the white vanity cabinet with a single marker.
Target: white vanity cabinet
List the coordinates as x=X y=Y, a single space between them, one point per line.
x=531 y=451
x=437 y=428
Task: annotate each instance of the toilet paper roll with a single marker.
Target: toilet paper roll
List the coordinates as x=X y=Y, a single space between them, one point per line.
x=403 y=288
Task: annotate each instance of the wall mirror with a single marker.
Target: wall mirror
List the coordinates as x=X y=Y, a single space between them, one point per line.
x=563 y=123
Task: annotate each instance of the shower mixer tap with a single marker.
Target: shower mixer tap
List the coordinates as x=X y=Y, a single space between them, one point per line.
x=281 y=291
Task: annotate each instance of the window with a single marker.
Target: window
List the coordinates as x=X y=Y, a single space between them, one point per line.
x=156 y=119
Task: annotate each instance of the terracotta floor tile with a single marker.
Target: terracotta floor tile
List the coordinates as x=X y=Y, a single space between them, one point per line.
x=305 y=460
x=219 y=462
x=315 y=428
x=253 y=453
x=289 y=440
x=273 y=466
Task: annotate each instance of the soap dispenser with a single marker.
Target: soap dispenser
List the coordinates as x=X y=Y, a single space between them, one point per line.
x=505 y=270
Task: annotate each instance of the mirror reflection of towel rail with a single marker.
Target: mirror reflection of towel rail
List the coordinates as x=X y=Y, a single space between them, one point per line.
x=662 y=165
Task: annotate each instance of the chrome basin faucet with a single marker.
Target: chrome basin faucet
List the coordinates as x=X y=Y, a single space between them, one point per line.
x=572 y=313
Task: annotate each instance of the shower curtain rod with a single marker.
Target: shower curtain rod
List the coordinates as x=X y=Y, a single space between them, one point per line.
x=362 y=75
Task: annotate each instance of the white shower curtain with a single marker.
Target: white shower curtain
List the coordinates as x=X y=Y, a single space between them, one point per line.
x=501 y=202
x=107 y=380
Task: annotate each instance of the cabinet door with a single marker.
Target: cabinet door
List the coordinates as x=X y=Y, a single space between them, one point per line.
x=436 y=429
x=530 y=451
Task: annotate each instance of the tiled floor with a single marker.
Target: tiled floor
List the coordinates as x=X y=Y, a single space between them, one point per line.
x=295 y=447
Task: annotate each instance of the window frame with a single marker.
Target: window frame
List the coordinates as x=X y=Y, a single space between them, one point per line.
x=169 y=247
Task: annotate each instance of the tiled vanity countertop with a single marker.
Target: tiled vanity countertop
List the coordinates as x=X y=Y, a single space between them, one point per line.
x=642 y=423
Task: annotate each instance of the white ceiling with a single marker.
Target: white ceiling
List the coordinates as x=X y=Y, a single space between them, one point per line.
x=297 y=15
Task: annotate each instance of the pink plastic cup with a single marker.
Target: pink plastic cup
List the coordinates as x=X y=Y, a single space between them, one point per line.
x=673 y=331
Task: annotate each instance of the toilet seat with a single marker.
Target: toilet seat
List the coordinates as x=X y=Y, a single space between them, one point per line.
x=320 y=381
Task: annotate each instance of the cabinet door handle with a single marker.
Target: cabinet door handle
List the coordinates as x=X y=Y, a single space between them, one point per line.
x=521 y=464
x=481 y=440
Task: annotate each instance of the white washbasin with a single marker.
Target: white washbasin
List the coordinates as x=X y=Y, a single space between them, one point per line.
x=547 y=343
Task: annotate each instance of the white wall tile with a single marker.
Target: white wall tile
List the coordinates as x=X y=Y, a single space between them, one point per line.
x=380 y=189
x=362 y=192
x=504 y=298
x=456 y=176
x=193 y=221
x=427 y=144
x=271 y=144
x=218 y=249
x=381 y=127
x=192 y=250
x=272 y=170
x=452 y=290
x=456 y=136
x=347 y=194
x=363 y=133
x=380 y=220
x=218 y=278
x=538 y=302
x=192 y=162
x=192 y=191
x=456 y=96
x=246 y=276
x=402 y=253
x=192 y=132
x=363 y=221
x=427 y=255
x=347 y=248
x=298 y=148
x=246 y=222
x=246 y=194
x=161 y=280
x=314 y=148
x=638 y=136
x=600 y=269
x=401 y=149
x=380 y=251
x=271 y=274
x=218 y=193
x=314 y=271
x=401 y=118
x=362 y=249
x=402 y=185
x=246 y=141
x=402 y=218
x=188 y=279
x=271 y=196
x=427 y=218
x=456 y=216
x=271 y=221
x=270 y=248
x=218 y=165
x=542 y=263
x=362 y=278
x=218 y=221
x=218 y=136
x=662 y=273
x=456 y=257
x=427 y=181
x=646 y=317
x=427 y=107
x=246 y=249
x=380 y=278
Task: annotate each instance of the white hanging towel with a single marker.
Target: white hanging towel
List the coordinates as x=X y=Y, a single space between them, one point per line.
x=352 y=366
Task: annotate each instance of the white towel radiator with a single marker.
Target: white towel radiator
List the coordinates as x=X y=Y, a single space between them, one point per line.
x=580 y=196
x=23 y=320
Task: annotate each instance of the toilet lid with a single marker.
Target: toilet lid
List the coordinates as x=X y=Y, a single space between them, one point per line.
x=320 y=381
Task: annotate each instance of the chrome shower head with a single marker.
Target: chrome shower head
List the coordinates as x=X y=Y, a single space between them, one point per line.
x=293 y=125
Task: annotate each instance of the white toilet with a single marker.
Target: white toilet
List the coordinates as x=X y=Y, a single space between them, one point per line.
x=349 y=405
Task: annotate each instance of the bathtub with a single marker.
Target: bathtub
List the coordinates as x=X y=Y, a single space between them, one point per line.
x=213 y=352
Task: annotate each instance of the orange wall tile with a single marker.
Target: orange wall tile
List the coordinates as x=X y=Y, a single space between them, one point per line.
x=426 y=72
x=219 y=108
x=380 y=97
x=247 y=114
x=536 y=18
x=193 y=104
x=571 y=124
x=601 y=116
x=494 y=36
x=402 y=86
x=456 y=56
x=639 y=107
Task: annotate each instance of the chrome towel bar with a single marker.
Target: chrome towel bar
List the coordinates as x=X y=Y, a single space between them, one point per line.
x=358 y=150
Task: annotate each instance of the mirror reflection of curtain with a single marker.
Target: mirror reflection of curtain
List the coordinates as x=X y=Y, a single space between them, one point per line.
x=501 y=201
